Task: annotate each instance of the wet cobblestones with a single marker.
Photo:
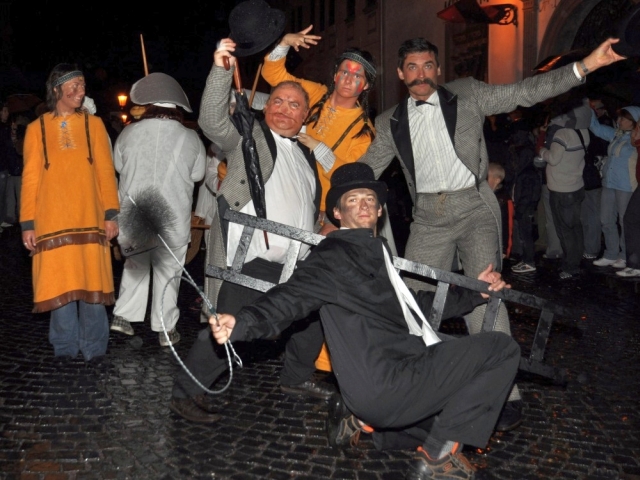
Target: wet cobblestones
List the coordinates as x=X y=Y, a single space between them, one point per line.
x=112 y=421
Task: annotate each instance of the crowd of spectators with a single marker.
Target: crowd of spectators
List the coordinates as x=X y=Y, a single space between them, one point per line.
x=570 y=169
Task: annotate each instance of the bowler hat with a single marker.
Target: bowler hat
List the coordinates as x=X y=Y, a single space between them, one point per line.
x=629 y=34
x=350 y=177
x=159 y=88
x=254 y=26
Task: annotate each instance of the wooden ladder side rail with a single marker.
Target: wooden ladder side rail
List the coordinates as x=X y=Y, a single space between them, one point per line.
x=533 y=363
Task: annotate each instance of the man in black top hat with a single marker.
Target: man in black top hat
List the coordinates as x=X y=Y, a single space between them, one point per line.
x=393 y=370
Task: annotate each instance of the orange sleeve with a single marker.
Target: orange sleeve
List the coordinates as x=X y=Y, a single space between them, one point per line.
x=275 y=72
x=32 y=172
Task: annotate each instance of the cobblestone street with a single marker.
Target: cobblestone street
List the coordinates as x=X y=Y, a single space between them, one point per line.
x=113 y=422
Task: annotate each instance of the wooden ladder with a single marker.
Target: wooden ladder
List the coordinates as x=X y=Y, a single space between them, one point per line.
x=533 y=363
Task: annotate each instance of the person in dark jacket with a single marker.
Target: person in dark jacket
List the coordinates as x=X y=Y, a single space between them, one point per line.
x=393 y=370
x=527 y=188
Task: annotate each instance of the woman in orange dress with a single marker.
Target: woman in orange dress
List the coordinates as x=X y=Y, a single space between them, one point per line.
x=68 y=211
x=338 y=128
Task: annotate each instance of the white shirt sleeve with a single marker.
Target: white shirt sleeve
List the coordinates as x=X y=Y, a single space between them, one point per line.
x=278 y=53
x=324 y=156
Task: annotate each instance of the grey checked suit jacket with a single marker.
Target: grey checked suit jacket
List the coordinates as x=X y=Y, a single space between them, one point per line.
x=234 y=191
x=465 y=103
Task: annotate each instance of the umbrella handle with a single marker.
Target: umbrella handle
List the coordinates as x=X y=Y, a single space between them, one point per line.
x=255 y=84
x=236 y=73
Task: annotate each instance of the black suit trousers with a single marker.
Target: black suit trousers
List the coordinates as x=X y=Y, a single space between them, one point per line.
x=207 y=360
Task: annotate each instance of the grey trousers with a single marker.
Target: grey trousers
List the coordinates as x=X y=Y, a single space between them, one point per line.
x=462 y=222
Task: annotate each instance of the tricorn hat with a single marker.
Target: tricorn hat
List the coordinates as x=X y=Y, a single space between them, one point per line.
x=629 y=34
x=350 y=177
x=159 y=88
x=254 y=26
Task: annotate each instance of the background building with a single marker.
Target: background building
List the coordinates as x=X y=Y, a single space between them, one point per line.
x=529 y=32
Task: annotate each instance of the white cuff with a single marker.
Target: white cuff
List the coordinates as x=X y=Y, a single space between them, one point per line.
x=278 y=53
x=324 y=156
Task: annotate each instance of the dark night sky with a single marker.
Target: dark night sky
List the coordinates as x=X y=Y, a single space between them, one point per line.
x=104 y=38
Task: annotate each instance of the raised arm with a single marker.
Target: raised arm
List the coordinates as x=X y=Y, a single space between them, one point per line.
x=274 y=70
x=214 y=108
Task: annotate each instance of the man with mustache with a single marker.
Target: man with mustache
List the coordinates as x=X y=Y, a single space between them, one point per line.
x=292 y=195
x=436 y=132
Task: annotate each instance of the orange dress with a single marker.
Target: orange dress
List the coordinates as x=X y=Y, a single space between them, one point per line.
x=65 y=197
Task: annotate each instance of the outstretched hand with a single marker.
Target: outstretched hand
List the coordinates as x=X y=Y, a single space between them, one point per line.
x=307 y=140
x=225 y=47
x=603 y=55
x=222 y=327
x=300 y=39
x=494 y=279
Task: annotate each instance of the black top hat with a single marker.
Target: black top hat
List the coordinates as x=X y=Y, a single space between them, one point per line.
x=254 y=26
x=628 y=32
x=349 y=177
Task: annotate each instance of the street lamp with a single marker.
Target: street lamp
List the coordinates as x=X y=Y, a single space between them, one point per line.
x=122 y=100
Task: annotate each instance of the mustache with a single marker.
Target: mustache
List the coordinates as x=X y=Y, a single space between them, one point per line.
x=423 y=81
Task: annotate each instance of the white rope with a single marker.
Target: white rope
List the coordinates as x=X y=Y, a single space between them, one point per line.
x=227 y=344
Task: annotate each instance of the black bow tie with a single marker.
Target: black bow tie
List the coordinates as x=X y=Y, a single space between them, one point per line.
x=292 y=139
x=422 y=102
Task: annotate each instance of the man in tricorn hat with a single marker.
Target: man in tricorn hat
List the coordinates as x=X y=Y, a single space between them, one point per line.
x=393 y=373
x=158 y=152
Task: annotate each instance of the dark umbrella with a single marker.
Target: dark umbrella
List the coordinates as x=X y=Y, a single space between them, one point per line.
x=243 y=118
x=253 y=26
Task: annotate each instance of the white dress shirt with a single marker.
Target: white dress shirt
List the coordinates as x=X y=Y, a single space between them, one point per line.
x=289 y=196
x=438 y=168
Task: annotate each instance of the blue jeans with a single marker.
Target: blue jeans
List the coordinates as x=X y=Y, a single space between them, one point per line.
x=79 y=327
x=613 y=205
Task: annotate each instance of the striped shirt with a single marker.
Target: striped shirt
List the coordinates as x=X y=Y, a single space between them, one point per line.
x=438 y=168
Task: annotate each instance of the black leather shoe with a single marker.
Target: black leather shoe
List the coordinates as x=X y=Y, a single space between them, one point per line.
x=453 y=466
x=189 y=410
x=343 y=428
x=310 y=388
x=62 y=360
x=511 y=416
x=208 y=404
x=100 y=363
